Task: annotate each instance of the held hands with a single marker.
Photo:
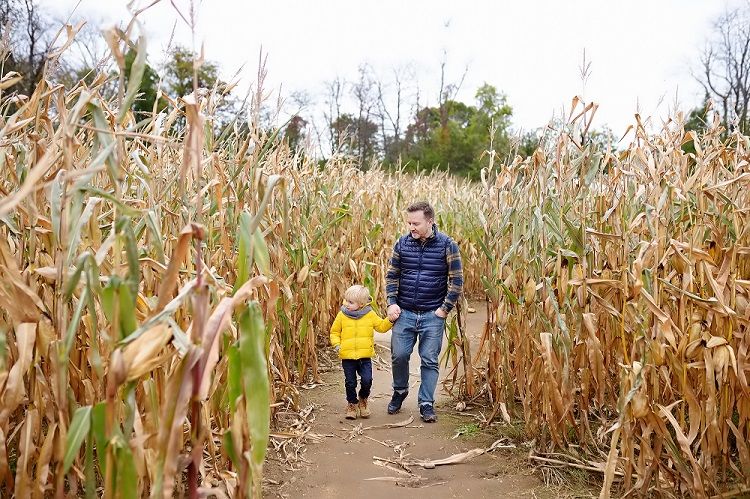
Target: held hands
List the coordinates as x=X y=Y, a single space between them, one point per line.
x=393 y=312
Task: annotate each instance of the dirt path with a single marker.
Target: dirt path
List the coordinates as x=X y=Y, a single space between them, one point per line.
x=342 y=463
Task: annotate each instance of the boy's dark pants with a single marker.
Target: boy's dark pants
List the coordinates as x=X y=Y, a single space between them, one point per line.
x=352 y=367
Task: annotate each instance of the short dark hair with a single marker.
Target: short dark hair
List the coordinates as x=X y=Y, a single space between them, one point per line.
x=424 y=207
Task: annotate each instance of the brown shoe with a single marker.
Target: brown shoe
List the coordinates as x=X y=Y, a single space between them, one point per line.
x=351 y=411
x=364 y=411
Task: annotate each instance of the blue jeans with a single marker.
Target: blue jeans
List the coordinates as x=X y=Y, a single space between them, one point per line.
x=428 y=328
x=352 y=367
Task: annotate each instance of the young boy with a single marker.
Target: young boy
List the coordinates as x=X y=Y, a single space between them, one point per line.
x=352 y=337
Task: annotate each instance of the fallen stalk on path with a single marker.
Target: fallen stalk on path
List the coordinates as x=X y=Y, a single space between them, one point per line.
x=411 y=481
x=400 y=424
x=358 y=430
x=459 y=458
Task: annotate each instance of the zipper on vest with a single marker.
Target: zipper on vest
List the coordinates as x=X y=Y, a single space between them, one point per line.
x=419 y=271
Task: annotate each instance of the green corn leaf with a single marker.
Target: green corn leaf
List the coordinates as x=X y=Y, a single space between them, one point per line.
x=75 y=236
x=72 y=281
x=104 y=138
x=229 y=448
x=109 y=293
x=134 y=78
x=122 y=208
x=273 y=181
x=128 y=323
x=98 y=428
x=55 y=202
x=74 y=324
x=234 y=377
x=79 y=428
x=126 y=483
x=489 y=288
x=153 y=225
x=89 y=471
x=125 y=227
x=244 y=253
x=93 y=167
x=508 y=294
x=260 y=252
x=255 y=380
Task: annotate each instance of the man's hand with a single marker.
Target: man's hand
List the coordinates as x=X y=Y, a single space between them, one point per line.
x=441 y=313
x=393 y=312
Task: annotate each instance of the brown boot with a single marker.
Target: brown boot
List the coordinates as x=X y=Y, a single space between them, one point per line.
x=364 y=411
x=351 y=411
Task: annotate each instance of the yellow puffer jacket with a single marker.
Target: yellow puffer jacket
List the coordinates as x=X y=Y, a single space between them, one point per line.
x=356 y=335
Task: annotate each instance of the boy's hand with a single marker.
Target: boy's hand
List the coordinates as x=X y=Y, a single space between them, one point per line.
x=393 y=312
x=336 y=348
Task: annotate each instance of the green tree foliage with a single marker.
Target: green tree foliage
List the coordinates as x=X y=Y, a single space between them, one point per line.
x=697 y=121
x=454 y=135
x=294 y=133
x=178 y=72
x=144 y=104
x=356 y=136
x=528 y=142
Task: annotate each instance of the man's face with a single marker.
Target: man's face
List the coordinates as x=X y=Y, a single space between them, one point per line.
x=420 y=226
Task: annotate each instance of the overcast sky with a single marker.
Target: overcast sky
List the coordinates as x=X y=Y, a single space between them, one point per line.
x=641 y=51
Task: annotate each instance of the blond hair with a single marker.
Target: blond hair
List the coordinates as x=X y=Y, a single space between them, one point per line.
x=358 y=294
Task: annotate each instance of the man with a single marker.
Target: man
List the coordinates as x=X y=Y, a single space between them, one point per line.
x=423 y=284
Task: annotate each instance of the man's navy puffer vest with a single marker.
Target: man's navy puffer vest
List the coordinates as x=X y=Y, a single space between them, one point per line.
x=424 y=272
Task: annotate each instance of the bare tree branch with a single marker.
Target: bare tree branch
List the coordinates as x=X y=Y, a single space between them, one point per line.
x=726 y=67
